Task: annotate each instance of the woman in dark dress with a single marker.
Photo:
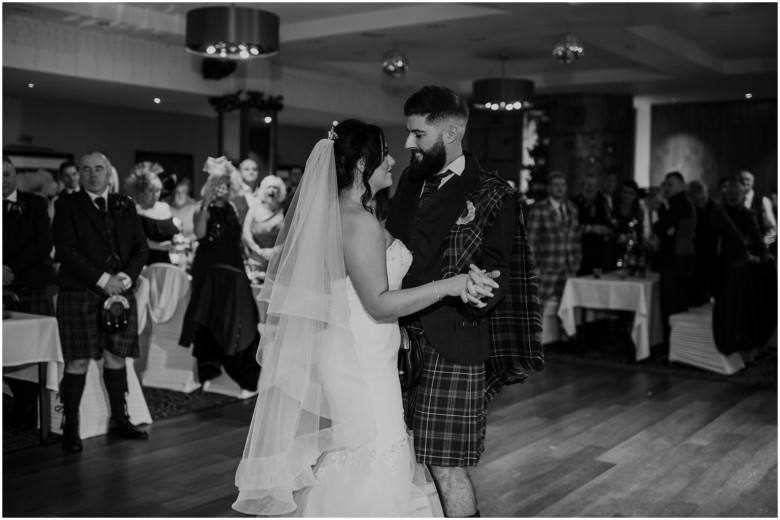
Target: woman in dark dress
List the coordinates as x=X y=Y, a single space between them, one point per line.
x=218 y=231
x=158 y=222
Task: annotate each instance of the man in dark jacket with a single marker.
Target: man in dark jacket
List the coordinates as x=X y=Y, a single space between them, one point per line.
x=675 y=227
x=28 y=274
x=102 y=249
x=451 y=213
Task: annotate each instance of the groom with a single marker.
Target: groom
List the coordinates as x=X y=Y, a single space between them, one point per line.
x=451 y=213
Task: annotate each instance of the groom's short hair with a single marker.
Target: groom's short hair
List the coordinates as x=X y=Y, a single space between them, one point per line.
x=437 y=104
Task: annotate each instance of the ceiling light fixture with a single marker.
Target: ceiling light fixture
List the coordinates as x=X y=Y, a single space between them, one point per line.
x=394 y=63
x=232 y=33
x=568 y=49
x=502 y=93
x=748 y=95
x=157 y=100
x=31 y=85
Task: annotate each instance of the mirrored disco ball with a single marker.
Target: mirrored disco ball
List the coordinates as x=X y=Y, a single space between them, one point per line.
x=395 y=63
x=568 y=50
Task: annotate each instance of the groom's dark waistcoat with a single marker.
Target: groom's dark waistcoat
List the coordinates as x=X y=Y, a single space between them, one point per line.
x=434 y=234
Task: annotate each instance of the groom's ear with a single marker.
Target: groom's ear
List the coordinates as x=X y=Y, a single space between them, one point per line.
x=451 y=132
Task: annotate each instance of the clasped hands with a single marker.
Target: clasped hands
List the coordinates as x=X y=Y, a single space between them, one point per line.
x=117 y=284
x=480 y=285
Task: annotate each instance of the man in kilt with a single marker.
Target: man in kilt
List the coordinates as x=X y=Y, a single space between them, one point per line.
x=452 y=214
x=102 y=249
x=28 y=274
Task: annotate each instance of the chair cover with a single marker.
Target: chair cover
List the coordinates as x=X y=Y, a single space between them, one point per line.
x=168 y=364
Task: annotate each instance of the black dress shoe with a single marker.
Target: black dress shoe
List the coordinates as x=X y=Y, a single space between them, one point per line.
x=71 y=444
x=128 y=430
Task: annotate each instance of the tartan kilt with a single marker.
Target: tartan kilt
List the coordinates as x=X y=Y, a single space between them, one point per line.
x=447 y=411
x=82 y=332
x=35 y=300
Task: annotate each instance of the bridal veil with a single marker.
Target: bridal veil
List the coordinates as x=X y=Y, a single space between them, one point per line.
x=298 y=414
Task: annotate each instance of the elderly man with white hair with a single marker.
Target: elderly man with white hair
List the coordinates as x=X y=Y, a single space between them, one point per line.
x=102 y=249
x=760 y=206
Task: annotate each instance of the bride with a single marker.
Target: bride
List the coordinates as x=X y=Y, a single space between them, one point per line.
x=328 y=437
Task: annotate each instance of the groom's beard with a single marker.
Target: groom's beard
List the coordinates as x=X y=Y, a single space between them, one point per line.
x=424 y=164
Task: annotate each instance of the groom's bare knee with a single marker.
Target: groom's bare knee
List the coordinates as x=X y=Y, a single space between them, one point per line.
x=456 y=491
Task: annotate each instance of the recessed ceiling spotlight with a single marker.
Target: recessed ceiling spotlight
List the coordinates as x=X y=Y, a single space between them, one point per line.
x=748 y=95
x=31 y=85
x=334 y=123
x=268 y=119
x=157 y=100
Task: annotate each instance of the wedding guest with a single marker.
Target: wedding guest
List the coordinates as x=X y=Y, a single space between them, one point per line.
x=264 y=221
x=554 y=236
x=102 y=249
x=594 y=216
x=628 y=218
x=28 y=274
x=675 y=228
x=183 y=207
x=241 y=199
x=158 y=222
x=69 y=177
x=249 y=175
x=609 y=184
x=218 y=231
x=760 y=206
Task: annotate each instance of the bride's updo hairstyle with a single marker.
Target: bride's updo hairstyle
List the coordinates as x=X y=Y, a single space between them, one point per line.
x=358 y=140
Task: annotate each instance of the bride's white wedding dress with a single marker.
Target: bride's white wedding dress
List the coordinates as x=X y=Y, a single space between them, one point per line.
x=382 y=478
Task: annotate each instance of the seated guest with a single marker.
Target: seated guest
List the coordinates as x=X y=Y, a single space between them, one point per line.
x=554 y=237
x=102 y=249
x=596 y=225
x=183 y=207
x=28 y=274
x=219 y=243
x=264 y=221
x=158 y=222
x=628 y=217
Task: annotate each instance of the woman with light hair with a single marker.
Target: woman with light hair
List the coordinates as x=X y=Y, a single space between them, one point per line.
x=158 y=222
x=264 y=221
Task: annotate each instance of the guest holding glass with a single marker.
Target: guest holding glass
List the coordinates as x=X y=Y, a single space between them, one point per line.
x=158 y=222
x=264 y=221
x=219 y=243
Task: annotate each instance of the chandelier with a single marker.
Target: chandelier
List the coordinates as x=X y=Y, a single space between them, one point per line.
x=502 y=93
x=394 y=63
x=232 y=33
x=568 y=49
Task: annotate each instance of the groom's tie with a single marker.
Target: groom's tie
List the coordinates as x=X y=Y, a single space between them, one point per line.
x=430 y=187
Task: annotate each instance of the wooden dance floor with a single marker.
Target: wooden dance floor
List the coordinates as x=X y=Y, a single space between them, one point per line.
x=574 y=441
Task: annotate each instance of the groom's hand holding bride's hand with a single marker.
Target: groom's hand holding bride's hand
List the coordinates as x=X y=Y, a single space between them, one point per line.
x=478 y=286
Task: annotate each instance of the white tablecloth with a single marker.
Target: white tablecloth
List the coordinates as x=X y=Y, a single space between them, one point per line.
x=639 y=295
x=27 y=339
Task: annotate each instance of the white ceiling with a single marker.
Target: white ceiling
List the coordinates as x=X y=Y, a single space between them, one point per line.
x=664 y=51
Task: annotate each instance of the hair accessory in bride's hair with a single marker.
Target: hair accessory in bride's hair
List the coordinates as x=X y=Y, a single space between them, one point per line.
x=332 y=135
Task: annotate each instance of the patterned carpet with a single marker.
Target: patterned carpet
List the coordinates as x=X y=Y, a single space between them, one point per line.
x=162 y=404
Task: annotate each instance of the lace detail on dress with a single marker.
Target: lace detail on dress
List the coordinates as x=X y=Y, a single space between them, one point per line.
x=397 y=252
x=367 y=455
